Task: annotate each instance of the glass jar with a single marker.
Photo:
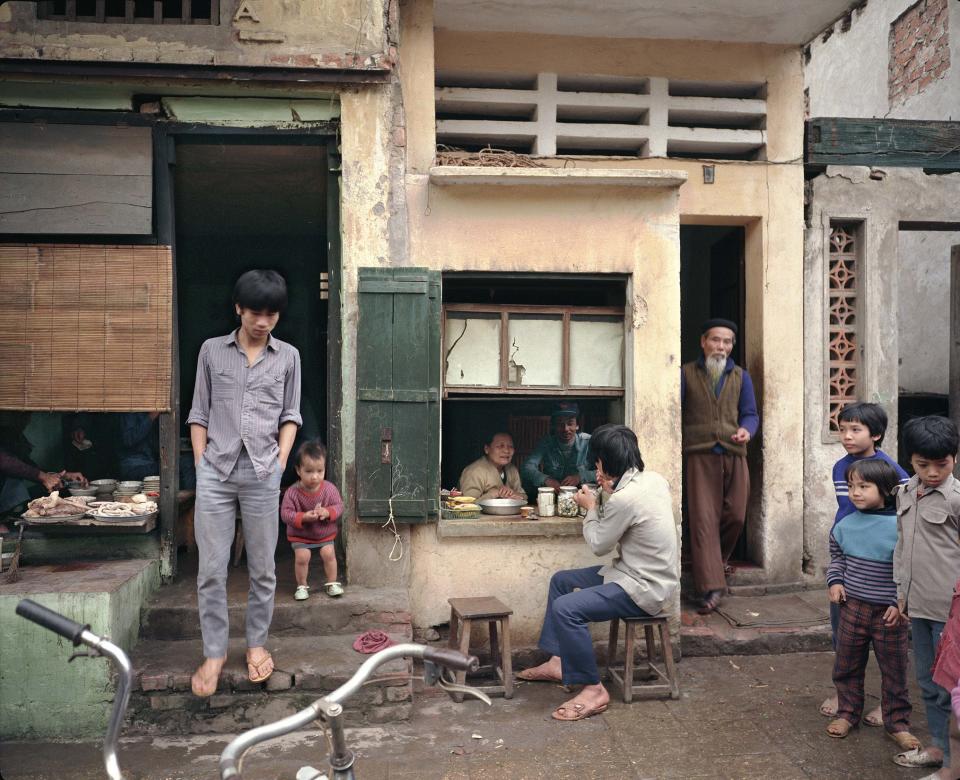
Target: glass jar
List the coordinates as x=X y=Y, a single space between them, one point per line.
x=595 y=489
x=545 y=502
x=566 y=503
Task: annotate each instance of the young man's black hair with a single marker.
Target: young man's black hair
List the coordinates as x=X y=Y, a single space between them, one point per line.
x=261 y=290
x=616 y=447
x=880 y=473
x=931 y=437
x=870 y=415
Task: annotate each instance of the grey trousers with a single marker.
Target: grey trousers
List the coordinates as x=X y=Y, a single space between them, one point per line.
x=214 y=526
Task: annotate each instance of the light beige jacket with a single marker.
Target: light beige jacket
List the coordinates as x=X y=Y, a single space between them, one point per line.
x=481 y=479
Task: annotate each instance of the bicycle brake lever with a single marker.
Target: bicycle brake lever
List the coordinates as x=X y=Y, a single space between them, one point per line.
x=452 y=687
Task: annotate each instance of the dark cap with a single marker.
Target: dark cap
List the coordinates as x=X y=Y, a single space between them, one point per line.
x=565 y=409
x=719 y=322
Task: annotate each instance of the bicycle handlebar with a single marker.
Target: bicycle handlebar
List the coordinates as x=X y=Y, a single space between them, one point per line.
x=451 y=659
x=53 y=621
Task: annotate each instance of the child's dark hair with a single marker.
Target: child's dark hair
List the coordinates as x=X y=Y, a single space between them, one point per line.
x=311 y=448
x=877 y=472
x=261 y=290
x=616 y=447
x=870 y=415
x=931 y=437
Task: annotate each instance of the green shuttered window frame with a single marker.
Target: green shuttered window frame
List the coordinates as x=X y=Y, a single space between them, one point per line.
x=398 y=395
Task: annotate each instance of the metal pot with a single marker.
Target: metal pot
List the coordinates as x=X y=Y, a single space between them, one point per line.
x=501 y=506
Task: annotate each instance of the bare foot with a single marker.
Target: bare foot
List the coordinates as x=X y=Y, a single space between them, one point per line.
x=549 y=671
x=592 y=700
x=205 y=679
x=829 y=707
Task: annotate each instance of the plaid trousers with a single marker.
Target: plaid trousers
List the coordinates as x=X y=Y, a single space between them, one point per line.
x=861 y=624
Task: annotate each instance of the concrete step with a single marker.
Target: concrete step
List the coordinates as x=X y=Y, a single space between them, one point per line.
x=172 y=613
x=306 y=668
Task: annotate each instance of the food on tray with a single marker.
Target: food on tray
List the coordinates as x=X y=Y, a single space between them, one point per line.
x=54 y=506
x=462 y=499
x=138 y=498
x=123 y=509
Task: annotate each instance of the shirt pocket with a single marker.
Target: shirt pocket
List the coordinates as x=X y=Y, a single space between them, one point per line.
x=933 y=514
x=270 y=390
x=223 y=385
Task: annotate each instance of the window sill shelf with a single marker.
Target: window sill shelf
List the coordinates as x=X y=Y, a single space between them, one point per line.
x=511 y=525
x=606 y=177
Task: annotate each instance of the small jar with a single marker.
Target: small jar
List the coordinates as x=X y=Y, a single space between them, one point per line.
x=545 y=502
x=566 y=503
x=595 y=489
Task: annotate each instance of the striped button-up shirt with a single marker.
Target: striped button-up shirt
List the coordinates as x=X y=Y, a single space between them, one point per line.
x=243 y=406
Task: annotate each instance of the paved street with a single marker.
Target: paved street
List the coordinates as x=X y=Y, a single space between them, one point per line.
x=739 y=717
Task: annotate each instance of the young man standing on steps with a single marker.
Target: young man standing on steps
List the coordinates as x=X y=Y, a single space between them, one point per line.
x=245 y=415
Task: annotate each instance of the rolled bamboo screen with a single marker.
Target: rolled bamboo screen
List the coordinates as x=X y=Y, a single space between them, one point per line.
x=85 y=327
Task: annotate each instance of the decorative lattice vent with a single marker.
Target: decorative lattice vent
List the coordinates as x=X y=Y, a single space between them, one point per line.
x=842 y=320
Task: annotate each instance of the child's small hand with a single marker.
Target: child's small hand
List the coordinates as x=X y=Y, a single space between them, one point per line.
x=310 y=516
x=321 y=513
x=891 y=617
x=837 y=594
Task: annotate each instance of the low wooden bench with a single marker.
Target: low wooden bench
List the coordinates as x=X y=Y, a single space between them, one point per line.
x=664 y=675
x=463 y=612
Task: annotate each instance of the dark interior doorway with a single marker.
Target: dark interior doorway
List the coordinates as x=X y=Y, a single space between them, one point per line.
x=712 y=284
x=243 y=203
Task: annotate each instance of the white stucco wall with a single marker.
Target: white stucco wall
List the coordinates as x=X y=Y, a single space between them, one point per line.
x=923 y=282
x=847 y=75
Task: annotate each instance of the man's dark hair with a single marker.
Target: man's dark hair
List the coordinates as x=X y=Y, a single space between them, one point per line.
x=880 y=473
x=261 y=290
x=313 y=449
x=931 y=437
x=616 y=447
x=870 y=415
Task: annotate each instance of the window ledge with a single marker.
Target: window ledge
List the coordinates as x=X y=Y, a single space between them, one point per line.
x=632 y=177
x=509 y=526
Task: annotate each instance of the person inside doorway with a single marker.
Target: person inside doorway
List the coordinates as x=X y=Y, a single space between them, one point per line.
x=245 y=416
x=139 y=452
x=642 y=581
x=493 y=475
x=560 y=459
x=719 y=419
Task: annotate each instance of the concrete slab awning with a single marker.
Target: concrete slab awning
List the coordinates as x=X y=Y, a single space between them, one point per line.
x=593 y=177
x=766 y=21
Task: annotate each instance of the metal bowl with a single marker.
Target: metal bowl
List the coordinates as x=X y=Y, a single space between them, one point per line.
x=83 y=491
x=501 y=506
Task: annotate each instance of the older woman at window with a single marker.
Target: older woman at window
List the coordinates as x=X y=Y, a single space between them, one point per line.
x=642 y=580
x=493 y=475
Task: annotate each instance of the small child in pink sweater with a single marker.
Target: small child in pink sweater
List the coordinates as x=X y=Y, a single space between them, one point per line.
x=311 y=508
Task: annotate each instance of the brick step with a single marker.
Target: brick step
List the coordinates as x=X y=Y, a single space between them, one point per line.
x=306 y=668
x=172 y=613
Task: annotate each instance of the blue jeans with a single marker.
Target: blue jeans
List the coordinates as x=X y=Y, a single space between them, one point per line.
x=936 y=700
x=566 y=630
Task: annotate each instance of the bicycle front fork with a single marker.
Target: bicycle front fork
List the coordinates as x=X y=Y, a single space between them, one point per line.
x=341 y=758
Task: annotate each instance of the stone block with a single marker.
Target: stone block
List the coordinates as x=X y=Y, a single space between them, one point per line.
x=220 y=701
x=172 y=702
x=280 y=681
x=154 y=682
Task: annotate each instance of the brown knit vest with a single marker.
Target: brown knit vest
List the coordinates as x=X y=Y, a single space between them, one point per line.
x=708 y=420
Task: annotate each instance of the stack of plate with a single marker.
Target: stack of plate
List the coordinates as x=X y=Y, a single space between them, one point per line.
x=151 y=485
x=126 y=489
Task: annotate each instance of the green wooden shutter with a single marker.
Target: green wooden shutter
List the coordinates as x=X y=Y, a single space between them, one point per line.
x=398 y=394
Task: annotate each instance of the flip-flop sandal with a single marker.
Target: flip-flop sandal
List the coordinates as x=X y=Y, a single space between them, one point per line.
x=875 y=722
x=842 y=726
x=201 y=686
x=260 y=671
x=828 y=712
x=904 y=739
x=577 y=711
x=710 y=603
x=916 y=759
x=533 y=675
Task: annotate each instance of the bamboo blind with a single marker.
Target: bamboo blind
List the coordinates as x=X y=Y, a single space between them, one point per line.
x=85 y=327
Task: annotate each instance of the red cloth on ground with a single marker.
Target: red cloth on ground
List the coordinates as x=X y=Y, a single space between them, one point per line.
x=372 y=641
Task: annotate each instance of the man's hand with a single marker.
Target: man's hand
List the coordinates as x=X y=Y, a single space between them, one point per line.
x=551 y=482
x=571 y=480
x=742 y=436
x=49 y=480
x=837 y=594
x=75 y=476
x=891 y=617
x=585 y=498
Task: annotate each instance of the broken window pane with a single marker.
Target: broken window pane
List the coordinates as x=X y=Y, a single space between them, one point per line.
x=596 y=351
x=535 y=355
x=472 y=346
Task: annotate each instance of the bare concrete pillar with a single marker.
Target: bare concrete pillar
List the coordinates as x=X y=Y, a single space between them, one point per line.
x=955 y=339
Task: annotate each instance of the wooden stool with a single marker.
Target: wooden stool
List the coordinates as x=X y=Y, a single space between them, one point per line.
x=462 y=614
x=626 y=681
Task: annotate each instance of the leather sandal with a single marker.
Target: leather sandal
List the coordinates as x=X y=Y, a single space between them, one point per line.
x=260 y=670
x=710 y=602
x=839 y=728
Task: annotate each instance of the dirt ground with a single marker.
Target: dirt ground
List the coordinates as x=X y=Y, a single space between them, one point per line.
x=738 y=717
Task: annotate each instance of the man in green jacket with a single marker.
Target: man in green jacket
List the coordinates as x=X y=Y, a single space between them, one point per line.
x=560 y=458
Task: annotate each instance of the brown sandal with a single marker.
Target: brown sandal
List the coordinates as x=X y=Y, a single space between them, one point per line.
x=839 y=728
x=260 y=671
x=904 y=739
x=201 y=684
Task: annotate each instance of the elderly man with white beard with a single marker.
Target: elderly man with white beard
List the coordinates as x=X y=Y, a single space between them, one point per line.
x=719 y=418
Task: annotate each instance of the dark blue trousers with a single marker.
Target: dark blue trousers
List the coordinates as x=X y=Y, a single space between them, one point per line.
x=578 y=597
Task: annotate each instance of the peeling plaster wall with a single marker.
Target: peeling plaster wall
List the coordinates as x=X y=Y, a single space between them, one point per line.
x=352 y=34
x=849 y=193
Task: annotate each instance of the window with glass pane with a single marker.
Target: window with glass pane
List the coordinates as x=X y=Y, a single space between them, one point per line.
x=472 y=349
x=596 y=351
x=535 y=356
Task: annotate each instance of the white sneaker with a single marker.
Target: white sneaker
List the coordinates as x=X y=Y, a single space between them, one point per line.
x=333 y=589
x=302 y=592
